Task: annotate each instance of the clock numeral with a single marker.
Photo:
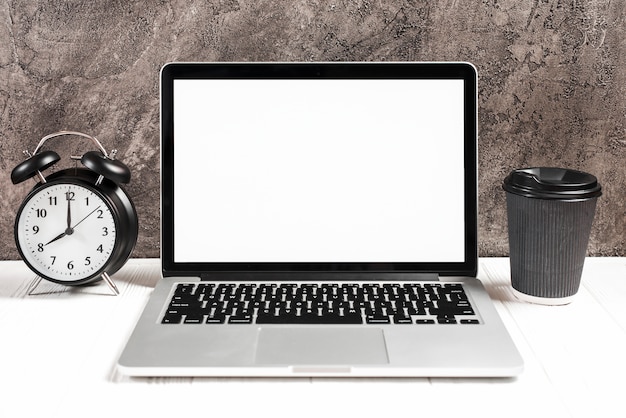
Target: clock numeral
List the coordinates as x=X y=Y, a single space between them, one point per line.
x=87 y=261
x=70 y=265
x=105 y=231
x=99 y=249
x=100 y=212
x=70 y=195
x=52 y=200
x=87 y=201
x=54 y=258
x=42 y=213
x=35 y=229
x=40 y=247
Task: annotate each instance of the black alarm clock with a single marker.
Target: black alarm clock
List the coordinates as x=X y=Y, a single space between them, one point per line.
x=77 y=225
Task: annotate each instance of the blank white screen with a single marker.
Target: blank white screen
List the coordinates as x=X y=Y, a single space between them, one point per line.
x=318 y=171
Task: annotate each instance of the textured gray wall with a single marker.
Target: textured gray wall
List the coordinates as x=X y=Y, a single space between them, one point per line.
x=552 y=82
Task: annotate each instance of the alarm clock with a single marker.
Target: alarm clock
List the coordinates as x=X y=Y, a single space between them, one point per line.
x=77 y=225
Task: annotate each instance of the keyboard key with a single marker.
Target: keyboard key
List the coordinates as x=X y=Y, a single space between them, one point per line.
x=240 y=319
x=377 y=319
x=215 y=319
x=309 y=319
x=194 y=319
x=184 y=288
x=402 y=319
x=172 y=319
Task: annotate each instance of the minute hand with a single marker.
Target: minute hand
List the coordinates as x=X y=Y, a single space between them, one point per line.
x=69 y=211
x=88 y=215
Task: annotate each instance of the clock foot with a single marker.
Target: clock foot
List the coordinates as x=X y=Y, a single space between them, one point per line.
x=34 y=285
x=55 y=289
x=110 y=283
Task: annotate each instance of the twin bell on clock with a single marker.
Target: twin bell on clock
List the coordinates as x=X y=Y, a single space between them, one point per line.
x=77 y=225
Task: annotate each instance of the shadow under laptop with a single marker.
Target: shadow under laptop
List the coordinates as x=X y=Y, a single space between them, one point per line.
x=501 y=292
x=118 y=377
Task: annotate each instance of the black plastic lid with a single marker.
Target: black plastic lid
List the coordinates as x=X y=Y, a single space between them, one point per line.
x=552 y=183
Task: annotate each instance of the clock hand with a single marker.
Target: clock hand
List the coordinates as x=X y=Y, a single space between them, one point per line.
x=69 y=230
x=88 y=215
x=58 y=237
x=69 y=213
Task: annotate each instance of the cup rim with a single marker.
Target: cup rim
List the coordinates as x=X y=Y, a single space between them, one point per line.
x=552 y=183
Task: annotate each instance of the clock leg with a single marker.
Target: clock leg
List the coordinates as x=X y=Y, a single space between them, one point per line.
x=34 y=285
x=110 y=283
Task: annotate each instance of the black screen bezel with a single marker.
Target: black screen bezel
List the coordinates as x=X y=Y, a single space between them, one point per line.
x=173 y=71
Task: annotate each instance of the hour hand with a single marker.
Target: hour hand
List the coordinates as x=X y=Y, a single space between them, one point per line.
x=58 y=237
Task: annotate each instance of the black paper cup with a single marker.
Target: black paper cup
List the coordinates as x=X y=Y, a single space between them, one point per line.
x=550 y=212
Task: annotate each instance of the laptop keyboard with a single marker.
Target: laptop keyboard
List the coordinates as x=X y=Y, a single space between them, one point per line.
x=310 y=303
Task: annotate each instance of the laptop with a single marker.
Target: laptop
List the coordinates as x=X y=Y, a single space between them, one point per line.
x=319 y=219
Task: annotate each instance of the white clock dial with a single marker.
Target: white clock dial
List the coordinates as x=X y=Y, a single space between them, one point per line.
x=66 y=232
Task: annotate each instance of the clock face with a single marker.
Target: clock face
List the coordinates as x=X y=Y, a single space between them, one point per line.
x=66 y=232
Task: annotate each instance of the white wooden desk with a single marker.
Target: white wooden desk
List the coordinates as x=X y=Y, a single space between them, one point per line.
x=58 y=351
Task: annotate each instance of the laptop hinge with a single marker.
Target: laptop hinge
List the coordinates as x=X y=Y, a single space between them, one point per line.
x=427 y=277
x=288 y=276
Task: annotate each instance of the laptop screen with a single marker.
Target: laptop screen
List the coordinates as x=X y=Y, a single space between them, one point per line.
x=318 y=167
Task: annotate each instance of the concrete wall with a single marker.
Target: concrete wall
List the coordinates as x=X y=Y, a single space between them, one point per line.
x=552 y=82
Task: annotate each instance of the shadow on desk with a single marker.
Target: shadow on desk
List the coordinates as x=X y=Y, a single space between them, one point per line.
x=118 y=377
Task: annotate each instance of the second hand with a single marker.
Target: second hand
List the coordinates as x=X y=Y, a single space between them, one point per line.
x=88 y=215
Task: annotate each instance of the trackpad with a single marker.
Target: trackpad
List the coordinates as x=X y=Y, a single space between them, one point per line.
x=326 y=346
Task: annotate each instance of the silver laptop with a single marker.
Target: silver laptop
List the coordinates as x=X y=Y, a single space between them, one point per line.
x=319 y=219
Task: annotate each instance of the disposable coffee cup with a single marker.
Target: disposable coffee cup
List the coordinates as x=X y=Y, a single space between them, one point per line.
x=550 y=212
